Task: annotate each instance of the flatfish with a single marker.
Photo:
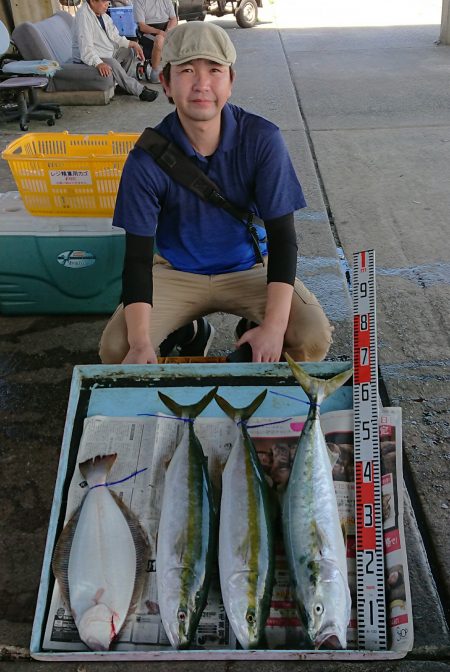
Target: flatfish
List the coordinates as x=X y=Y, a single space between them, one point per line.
x=100 y=559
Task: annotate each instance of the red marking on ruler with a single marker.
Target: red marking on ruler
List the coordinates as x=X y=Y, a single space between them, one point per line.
x=365 y=537
x=361 y=353
x=363 y=262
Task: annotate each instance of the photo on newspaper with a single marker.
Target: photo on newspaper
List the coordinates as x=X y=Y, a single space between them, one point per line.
x=144 y=447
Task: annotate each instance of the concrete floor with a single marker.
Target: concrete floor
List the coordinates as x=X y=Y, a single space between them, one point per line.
x=364 y=105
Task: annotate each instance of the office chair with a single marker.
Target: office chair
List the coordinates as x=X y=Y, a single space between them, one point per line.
x=22 y=102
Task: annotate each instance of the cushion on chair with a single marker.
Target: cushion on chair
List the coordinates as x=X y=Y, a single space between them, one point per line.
x=79 y=77
x=52 y=39
x=24 y=83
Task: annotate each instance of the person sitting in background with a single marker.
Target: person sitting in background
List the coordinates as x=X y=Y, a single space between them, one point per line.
x=96 y=42
x=154 y=18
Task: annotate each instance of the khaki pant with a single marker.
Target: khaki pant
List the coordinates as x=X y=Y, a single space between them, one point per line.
x=180 y=298
x=123 y=66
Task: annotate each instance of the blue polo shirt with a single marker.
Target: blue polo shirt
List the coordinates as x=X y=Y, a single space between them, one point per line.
x=252 y=168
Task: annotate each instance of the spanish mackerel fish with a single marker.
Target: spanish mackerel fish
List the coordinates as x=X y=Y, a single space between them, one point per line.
x=313 y=538
x=246 y=537
x=100 y=559
x=186 y=534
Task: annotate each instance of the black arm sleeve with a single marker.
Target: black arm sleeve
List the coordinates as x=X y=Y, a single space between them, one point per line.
x=282 y=248
x=137 y=278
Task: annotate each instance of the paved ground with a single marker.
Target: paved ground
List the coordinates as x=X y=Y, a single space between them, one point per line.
x=361 y=94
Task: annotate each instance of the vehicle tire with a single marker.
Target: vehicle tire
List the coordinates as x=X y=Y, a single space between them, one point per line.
x=247 y=14
x=200 y=17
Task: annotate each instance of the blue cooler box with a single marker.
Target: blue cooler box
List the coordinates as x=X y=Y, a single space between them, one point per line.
x=57 y=265
x=123 y=20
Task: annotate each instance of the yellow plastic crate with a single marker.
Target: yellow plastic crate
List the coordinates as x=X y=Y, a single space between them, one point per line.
x=69 y=174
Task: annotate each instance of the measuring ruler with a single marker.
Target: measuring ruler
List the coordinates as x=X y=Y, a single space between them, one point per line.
x=371 y=601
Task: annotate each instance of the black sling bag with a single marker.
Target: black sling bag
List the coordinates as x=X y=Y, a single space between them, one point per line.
x=181 y=168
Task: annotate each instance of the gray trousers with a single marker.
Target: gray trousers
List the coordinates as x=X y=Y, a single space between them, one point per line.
x=123 y=61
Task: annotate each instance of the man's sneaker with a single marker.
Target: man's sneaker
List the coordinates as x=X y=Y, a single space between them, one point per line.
x=120 y=91
x=200 y=342
x=148 y=95
x=192 y=340
x=242 y=326
x=241 y=354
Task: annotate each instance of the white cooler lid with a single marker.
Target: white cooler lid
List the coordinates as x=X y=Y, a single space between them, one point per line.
x=15 y=219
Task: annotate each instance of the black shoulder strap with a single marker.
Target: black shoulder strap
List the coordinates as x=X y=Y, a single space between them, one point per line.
x=180 y=168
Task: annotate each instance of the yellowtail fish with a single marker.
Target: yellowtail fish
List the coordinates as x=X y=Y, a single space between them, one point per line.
x=313 y=538
x=246 y=537
x=187 y=530
x=100 y=559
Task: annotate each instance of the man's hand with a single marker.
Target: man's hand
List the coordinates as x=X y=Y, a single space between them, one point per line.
x=137 y=50
x=266 y=342
x=104 y=69
x=141 y=355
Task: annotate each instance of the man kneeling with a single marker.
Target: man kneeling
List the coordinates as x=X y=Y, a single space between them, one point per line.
x=206 y=260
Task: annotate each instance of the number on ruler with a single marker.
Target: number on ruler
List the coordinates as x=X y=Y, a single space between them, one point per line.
x=366 y=430
x=363 y=322
x=364 y=356
x=368 y=515
x=370 y=556
x=367 y=473
x=365 y=392
x=371 y=612
x=363 y=289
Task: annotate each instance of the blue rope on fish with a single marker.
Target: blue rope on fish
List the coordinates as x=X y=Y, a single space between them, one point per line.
x=122 y=480
x=288 y=396
x=263 y=424
x=167 y=417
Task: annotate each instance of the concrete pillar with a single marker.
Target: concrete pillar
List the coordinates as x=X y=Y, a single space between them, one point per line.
x=6 y=15
x=33 y=10
x=445 y=22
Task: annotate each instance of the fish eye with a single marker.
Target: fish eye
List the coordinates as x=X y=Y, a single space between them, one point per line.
x=250 y=617
x=181 y=616
x=318 y=608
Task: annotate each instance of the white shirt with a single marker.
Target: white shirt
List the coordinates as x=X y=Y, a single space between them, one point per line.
x=90 y=43
x=153 y=11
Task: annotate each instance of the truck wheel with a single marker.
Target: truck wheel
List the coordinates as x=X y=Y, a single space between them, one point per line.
x=247 y=14
x=200 y=17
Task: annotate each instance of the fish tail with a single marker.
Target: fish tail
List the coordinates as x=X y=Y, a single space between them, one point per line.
x=97 y=468
x=183 y=411
x=241 y=413
x=317 y=389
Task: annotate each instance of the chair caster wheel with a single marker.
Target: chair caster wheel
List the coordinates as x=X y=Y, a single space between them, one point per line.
x=147 y=70
x=140 y=72
x=58 y=115
x=24 y=127
x=50 y=122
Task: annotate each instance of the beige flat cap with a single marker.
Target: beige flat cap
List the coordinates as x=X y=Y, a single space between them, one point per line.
x=196 y=39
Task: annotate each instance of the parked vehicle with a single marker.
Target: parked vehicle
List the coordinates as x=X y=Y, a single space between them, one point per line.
x=245 y=11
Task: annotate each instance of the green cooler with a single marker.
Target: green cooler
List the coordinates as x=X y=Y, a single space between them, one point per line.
x=57 y=265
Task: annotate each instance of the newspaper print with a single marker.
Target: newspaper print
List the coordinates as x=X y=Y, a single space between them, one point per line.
x=147 y=443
